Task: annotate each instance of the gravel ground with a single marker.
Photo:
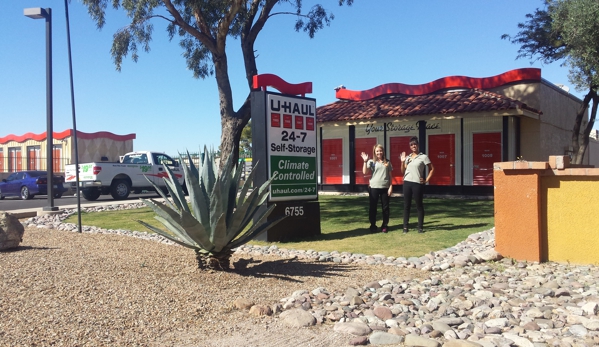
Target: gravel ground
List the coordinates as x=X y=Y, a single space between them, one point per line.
x=67 y=289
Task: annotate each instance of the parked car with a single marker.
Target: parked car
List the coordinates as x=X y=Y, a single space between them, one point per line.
x=27 y=184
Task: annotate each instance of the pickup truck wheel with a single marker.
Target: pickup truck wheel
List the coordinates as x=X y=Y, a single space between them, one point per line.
x=57 y=195
x=120 y=190
x=91 y=194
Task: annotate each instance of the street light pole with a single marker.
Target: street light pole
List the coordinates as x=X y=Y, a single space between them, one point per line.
x=74 y=143
x=38 y=13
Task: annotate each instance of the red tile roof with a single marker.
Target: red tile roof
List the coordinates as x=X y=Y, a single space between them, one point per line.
x=449 y=102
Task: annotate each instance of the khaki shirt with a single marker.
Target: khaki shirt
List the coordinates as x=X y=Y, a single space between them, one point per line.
x=415 y=168
x=381 y=174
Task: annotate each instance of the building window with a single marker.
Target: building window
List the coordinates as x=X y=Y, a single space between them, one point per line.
x=1 y=159
x=33 y=158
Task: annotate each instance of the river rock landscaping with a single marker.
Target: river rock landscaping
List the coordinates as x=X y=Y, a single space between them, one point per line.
x=466 y=295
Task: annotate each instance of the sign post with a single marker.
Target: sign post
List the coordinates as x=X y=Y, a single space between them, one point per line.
x=284 y=149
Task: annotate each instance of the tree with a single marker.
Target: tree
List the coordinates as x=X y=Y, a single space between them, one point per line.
x=245 y=143
x=568 y=31
x=203 y=27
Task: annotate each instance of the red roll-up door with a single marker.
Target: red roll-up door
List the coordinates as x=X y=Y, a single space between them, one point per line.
x=57 y=159
x=441 y=151
x=397 y=145
x=332 y=161
x=365 y=145
x=486 y=151
x=14 y=160
x=32 y=159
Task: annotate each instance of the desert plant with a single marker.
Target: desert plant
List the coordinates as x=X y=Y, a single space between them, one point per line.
x=218 y=220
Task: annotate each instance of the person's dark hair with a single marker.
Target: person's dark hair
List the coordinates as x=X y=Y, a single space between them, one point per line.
x=413 y=139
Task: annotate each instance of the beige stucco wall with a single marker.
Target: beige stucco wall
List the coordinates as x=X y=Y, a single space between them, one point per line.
x=593 y=152
x=553 y=134
x=94 y=149
x=559 y=112
x=527 y=93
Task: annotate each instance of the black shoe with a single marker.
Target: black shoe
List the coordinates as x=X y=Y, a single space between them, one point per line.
x=420 y=231
x=384 y=230
x=405 y=230
x=373 y=228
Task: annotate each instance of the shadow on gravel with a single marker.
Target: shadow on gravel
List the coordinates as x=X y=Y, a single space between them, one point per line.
x=26 y=248
x=290 y=270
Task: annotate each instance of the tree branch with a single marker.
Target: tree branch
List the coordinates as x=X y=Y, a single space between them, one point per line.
x=203 y=36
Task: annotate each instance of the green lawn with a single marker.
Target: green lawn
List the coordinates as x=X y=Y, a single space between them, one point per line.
x=344 y=225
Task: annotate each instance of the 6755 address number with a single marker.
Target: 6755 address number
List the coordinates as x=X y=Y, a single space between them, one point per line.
x=294 y=211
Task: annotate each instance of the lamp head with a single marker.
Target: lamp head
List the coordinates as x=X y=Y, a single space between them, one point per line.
x=36 y=13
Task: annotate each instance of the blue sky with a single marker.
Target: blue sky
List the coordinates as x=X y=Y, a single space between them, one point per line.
x=370 y=43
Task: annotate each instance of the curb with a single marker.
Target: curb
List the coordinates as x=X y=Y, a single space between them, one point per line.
x=23 y=215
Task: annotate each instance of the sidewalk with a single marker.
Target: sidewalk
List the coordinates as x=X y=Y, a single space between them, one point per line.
x=38 y=211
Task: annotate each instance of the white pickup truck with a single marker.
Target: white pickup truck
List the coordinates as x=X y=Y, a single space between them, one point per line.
x=119 y=179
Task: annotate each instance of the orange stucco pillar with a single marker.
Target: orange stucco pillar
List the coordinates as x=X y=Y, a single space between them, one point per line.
x=517 y=212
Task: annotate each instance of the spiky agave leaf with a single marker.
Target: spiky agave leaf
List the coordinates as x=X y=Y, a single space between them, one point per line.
x=167 y=235
x=161 y=193
x=219 y=238
x=219 y=222
x=200 y=205
x=261 y=225
x=182 y=224
x=162 y=215
x=233 y=188
x=216 y=210
x=175 y=189
x=246 y=185
x=208 y=172
x=222 y=203
x=251 y=206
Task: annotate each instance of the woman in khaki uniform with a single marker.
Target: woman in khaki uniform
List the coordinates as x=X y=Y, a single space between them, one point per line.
x=412 y=166
x=380 y=186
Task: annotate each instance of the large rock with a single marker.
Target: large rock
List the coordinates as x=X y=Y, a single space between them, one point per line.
x=11 y=231
x=354 y=328
x=297 y=318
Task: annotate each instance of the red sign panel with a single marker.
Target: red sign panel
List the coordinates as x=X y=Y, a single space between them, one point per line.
x=332 y=161
x=275 y=120
x=309 y=123
x=287 y=121
x=363 y=145
x=397 y=145
x=486 y=151
x=441 y=151
x=299 y=122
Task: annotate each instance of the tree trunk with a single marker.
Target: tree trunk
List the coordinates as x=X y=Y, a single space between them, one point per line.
x=587 y=131
x=232 y=122
x=577 y=149
x=230 y=136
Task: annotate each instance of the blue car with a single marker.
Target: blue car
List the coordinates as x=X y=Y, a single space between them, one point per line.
x=27 y=184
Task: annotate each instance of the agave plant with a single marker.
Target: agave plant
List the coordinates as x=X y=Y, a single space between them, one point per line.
x=218 y=221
